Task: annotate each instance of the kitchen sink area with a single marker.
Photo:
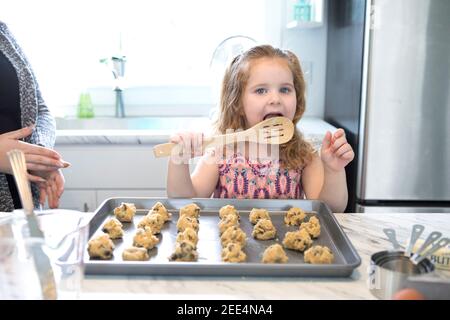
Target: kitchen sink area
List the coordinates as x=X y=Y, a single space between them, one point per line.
x=132 y=123
x=151 y=130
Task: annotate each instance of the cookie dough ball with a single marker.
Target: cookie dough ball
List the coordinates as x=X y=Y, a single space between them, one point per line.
x=125 y=212
x=154 y=221
x=233 y=253
x=135 y=254
x=101 y=247
x=184 y=251
x=228 y=209
x=191 y=210
x=264 y=230
x=113 y=227
x=312 y=226
x=294 y=217
x=188 y=234
x=275 y=254
x=144 y=238
x=187 y=222
x=159 y=208
x=233 y=234
x=258 y=214
x=229 y=221
x=319 y=255
x=297 y=240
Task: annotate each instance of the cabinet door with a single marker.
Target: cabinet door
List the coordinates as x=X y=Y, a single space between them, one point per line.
x=81 y=200
x=102 y=195
x=113 y=167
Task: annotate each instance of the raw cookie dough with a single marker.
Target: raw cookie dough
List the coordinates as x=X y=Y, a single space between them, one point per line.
x=187 y=222
x=125 y=212
x=297 y=240
x=144 y=238
x=275 y=254
x=312 y=226
x=159 y=208
x=191 y=210
x=155 y=221
x=135 y=254
x=233 y=234
x=228 y=209
x=232 y=252
x=264 y=230
x=229 y=221
x=184 y=251
x=258 y=214
x=101 y=247
x=319 y=255
x=294 y=216
x=188 y=234
x=113 y=227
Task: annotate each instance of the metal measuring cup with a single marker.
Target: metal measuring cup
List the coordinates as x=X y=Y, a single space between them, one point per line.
x=391 y=271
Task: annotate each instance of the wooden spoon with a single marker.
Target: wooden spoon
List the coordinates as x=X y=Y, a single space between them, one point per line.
x=277 y=130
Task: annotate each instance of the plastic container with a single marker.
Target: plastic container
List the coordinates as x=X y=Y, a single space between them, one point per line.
x=302 y=11
x=64 y=243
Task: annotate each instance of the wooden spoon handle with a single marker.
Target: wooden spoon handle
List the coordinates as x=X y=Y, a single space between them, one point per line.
x=163 y=150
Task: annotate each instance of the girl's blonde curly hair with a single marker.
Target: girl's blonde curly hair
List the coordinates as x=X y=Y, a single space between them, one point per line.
x=297 y=152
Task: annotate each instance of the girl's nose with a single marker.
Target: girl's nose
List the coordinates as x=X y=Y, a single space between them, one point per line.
x=274 y=98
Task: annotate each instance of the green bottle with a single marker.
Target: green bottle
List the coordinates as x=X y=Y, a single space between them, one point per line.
x=85 y=107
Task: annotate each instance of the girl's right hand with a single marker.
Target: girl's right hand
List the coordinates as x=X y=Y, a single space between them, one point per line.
x=188 y=145
x=37 y=158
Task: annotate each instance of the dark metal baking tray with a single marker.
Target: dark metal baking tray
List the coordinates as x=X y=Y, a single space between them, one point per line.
x=209 y=246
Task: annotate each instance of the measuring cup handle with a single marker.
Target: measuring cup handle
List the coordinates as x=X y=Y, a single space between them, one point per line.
x=415 y=235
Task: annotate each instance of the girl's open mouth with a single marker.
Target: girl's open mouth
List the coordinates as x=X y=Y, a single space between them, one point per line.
x=272 y=115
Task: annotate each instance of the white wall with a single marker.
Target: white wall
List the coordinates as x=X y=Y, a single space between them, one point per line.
x=310 y=45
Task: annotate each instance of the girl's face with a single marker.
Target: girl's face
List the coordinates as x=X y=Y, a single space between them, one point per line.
x=269 y=92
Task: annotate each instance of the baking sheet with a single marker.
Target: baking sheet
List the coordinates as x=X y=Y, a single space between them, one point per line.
x=209 y=247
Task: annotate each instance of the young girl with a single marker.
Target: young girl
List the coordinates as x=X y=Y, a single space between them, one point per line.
x=262 y=82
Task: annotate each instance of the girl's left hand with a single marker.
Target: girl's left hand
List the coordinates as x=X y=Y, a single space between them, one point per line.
x=336 y=152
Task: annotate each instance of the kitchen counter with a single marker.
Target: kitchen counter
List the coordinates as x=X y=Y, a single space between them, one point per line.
x=152 y=130
x=364 y=231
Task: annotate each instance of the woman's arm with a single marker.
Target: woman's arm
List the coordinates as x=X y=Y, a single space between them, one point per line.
x=45 y=130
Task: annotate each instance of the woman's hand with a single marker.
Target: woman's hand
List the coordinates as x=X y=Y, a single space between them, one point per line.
x=189 y=145
x=52 y=189
x=37 y=158
x=336 y=152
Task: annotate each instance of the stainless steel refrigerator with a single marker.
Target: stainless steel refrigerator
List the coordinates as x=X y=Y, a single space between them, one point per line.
x=388 y=71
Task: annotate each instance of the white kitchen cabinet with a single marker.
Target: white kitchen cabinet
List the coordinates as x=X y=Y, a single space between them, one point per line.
x=98 y=172
x=102 y=195
x=81 y=200
x=113 y=167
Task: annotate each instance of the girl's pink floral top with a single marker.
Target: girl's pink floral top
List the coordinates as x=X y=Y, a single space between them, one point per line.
x=242 y=178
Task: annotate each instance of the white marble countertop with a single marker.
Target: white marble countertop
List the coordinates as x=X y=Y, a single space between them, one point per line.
x=364 y=231
x=312 y=127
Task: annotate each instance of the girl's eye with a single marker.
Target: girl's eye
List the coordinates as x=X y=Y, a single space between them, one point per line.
x=285 y=90
x=260 y=90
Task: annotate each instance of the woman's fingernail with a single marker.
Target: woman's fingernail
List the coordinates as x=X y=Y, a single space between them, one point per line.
x=66 y=164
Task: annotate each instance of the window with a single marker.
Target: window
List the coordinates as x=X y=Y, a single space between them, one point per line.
x=167 y=43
